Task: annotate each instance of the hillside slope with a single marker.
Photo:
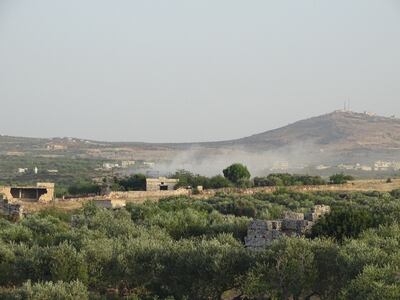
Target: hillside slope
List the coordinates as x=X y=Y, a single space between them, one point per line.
x=335 y=131
x=338 y=136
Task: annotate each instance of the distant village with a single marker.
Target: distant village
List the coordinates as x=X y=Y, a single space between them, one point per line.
x=106 y=166
x=377 y=166
x=149 y=168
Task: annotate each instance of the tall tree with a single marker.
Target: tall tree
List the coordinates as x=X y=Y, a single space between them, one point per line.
x=237 y=173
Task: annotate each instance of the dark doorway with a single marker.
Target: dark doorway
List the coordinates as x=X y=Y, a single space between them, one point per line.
x=27 y=193
x=163 y=187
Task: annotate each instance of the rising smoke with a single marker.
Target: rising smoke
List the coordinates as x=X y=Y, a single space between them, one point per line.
x=209 y=161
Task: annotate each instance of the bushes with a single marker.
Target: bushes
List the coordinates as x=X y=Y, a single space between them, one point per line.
x=187 y=178
x=218 y=182
x=7 y=263
x=17 y=234
x=136 y=182
x=206 y=268
x=340 y=178
x=345 y=222
x=374 y=283
x=239 y=207
x=183 y=247
x=83 y=188
x=395 y=193
x=286 y=270
x=299 y=269
x=66 y=264
x=44 y=229
x=284 y=179
x=47 y=291
x=237 y=173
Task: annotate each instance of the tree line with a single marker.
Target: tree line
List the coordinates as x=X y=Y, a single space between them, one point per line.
x=235 y=175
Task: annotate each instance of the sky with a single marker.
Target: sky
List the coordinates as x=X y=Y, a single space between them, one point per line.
x=187 y=71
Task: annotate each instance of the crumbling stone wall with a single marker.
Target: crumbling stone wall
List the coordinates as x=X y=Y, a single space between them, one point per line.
x=141 y=196
x=12 y=210
x=110 y=203
x=261 y=234
x=50 y=187
x=317 y=212
x=6 y=192
x=293 y=215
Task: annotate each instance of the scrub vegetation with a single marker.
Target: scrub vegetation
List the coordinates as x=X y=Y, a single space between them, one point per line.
x=184 y=248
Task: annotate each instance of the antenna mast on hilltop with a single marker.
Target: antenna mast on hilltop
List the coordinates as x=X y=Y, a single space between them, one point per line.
x=346 y=106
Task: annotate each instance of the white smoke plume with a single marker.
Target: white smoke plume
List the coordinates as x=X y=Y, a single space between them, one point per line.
x=209 y=162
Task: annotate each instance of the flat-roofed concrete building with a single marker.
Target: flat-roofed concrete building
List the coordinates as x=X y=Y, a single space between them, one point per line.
x=161 y=184
x=41 y=192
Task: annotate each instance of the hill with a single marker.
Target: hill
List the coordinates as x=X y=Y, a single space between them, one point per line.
x=340 y=130
x=335 y=138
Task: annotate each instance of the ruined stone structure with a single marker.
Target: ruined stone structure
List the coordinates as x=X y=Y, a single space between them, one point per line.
x=15 y=211
x=317 y=212
x=42 y=192
x=261 y=234
x=161 y=184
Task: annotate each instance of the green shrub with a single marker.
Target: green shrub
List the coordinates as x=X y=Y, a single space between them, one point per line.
x=237 y=173
x=345 y=222
x=340 y=178
x=395 y=193
x=285 y=179
x=48 y=291
x=84 y=188
x=136 y=182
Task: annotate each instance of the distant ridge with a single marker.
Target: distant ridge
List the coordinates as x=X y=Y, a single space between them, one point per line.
x=340 y=135
x=339 y=130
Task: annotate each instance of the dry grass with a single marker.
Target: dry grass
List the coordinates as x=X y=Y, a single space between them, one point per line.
x=62 y=204
x=375 y=185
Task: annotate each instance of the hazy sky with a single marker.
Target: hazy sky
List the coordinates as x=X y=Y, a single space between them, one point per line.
x=189 y=70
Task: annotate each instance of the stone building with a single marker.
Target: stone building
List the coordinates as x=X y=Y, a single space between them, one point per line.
x=261 y=234
x=161 y=184
x=42 y=192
